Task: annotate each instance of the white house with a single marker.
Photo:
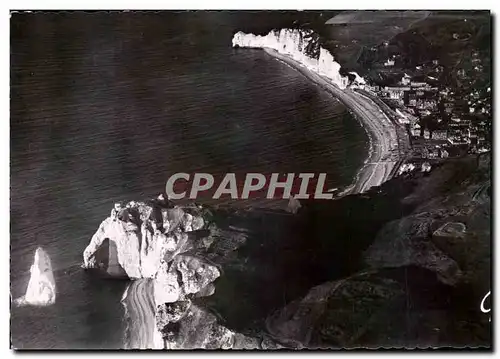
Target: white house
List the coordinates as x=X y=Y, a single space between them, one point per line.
x=416 y=130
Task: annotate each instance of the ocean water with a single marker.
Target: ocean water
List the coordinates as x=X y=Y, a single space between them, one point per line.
x=105 y=106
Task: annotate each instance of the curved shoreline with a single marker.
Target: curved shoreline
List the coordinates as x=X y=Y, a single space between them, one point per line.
x=380 y=162
x=139 y=308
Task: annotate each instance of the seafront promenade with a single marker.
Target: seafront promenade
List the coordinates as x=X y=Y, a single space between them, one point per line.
x=383 y=155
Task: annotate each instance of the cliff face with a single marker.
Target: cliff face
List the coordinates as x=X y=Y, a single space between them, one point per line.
x=300 y=45
x=170 y=268
x=41 y=289
x=137 y=246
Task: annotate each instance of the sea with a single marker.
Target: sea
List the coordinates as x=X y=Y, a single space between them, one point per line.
x=105 y=106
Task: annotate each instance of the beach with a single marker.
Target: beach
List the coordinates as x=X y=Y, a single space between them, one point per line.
x=140 y=313
x=383 y=153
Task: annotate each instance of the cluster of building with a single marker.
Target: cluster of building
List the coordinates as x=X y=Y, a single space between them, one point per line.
x=458 y=132
x=446 y=110
x=413 y=97
x=414 y=100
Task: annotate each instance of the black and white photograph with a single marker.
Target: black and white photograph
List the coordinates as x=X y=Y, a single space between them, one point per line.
x=270 y=180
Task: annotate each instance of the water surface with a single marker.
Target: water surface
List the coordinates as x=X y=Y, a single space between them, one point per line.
x=104 y=107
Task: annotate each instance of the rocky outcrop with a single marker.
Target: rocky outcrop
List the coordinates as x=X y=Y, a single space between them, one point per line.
x=185 y=325
x=165 y=251
x=184 y=276
x=126 y=239
x=138 y=244
x=302 y=46
x=41 y=289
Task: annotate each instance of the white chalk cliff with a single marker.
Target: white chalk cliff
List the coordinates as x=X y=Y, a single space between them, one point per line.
x=165 y=251
x=301 y=46
x=41 y=289
x=137 y=246
x=156 y=258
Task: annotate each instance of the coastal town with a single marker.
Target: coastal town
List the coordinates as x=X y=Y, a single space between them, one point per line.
x=250 y=180
x=427 y=90
x=437 y=120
